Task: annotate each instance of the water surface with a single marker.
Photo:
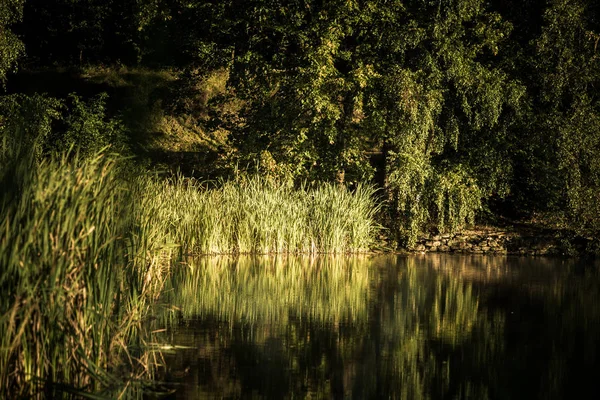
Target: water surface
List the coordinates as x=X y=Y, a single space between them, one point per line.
x=417 y=327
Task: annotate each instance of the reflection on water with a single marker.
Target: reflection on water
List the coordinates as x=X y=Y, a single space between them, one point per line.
x=436 y=326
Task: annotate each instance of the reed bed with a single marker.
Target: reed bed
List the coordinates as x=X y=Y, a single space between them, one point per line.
x=85 y=249
x=253 y=215
x=73 y=289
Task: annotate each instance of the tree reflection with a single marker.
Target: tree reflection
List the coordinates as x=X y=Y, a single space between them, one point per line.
x=399 y=327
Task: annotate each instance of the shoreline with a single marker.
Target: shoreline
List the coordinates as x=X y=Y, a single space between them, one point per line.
x=513 y=240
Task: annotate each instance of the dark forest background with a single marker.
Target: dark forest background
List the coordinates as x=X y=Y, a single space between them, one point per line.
x=458 y=109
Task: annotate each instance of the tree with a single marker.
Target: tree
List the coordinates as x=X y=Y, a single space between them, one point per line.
x=11 y=48
x=440 y=105
x=301 y=72
x=324 y=83
x=567 y=64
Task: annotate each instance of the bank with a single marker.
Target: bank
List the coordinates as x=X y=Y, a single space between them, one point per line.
x=516 y=240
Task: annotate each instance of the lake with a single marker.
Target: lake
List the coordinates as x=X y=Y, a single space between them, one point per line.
x=371 y=327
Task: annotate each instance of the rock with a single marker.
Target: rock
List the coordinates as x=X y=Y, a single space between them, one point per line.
x=474 y=240
x=457 y=244
x=492 y=242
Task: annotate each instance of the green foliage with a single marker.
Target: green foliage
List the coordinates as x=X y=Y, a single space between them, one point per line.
x=569 y=72
x=426 y=95
x=25 y=126
x=446 y=199
x=579 y=164
x=88 y=128
x=85 y=248
x=457 y=199
x=438 y=115
x=504 y=91
x=11 y=48
x=468 y=102
x=302 y=86
x=33 y=126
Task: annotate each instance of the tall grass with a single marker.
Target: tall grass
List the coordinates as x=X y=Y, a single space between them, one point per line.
x=85 y=249
x=253 y=215
x=72 y=288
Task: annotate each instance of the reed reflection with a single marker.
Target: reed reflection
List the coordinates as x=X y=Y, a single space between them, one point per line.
x=380 y=327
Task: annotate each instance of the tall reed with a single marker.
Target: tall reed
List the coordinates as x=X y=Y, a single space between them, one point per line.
x=253 y=215
x=71 y=290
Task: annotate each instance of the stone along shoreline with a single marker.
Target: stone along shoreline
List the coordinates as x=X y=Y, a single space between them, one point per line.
x=497 y=241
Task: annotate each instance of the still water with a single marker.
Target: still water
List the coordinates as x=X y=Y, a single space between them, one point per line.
x=416 y=327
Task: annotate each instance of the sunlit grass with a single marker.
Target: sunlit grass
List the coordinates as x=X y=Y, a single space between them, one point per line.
x=256 y=216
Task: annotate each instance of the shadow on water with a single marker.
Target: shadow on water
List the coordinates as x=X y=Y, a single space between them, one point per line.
x=428 y=327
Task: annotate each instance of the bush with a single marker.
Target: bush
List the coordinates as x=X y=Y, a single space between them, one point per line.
x=424 y=197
